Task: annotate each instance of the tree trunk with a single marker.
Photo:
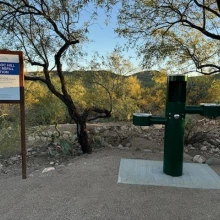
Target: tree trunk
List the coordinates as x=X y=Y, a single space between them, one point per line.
x=83 y=138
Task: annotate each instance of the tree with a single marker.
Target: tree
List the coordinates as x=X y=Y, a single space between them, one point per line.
x=113 y=85
x=214 y=91
x=182 y=34
x=200 y=90
x=48 y=32
x=154 y=98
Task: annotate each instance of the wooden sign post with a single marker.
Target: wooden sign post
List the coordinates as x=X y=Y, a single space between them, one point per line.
x=12 y=91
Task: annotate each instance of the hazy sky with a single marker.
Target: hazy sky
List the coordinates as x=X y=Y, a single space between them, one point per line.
x=104 y=39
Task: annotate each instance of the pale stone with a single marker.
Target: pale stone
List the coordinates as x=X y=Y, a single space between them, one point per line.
x=157 y=126
x=44 y=138
x=199 y=159
x=37 y=138
x=31 y=138
x=65 y=136
x=48 y=169
x=14 y=158
x=218 y=140
x=67 y=132
x=120 y=146
x=124 y=128
x=44 y=133
x=43 y=153
x=215 y=150
x=186 y=150
x=110 y=146
x=145 y=128
x=204 y=148
x=205 y=143
x=52 y=163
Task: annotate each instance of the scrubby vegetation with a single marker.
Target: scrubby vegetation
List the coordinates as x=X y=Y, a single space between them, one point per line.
x=127 y=93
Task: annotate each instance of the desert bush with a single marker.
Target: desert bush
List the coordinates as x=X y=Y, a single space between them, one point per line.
x=10 y=129
x=198 y=130
x=43 y=108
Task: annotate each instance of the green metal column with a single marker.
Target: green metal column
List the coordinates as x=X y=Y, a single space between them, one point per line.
x=174 y=129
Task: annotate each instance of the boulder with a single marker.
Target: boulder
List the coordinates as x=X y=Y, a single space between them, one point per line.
x=120 y=146
x=204 y=148
x=215 y=150
x=199 y=159
x=48 y=169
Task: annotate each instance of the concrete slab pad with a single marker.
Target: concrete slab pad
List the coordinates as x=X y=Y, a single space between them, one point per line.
x=148 y=172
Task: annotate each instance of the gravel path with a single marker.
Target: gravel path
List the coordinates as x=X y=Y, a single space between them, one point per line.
x=87 y=189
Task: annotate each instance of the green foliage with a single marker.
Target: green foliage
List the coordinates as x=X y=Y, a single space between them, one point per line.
x=62 y=145
x=42 y=107
x=214 y=91
x=97 y=141
x=10 y=130
x=145 y=78
x=59 y=143
x=196 y=131
x=154 y=98
x=91 y=88
x=198 y=89
x=66 y=146
x=180 y=35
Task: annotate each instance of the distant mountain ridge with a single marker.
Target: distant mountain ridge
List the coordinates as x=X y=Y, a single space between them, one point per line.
x=145 y=77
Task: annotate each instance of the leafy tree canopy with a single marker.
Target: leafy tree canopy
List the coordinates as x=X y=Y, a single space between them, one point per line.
x=48 y=32
x=183 y=35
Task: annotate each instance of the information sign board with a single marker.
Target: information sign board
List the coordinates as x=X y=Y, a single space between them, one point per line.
x=9 y=77
x=12 y=91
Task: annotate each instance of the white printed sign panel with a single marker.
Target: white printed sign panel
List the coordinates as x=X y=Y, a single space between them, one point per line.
x=9 y=77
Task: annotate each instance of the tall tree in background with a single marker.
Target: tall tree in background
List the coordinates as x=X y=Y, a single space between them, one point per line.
x=182 y=35
x=123 y=90
x=48 y=32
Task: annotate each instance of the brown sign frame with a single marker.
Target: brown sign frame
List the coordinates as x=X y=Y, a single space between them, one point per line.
x=22 y=107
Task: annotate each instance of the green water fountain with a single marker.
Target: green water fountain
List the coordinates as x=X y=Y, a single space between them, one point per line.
x=174 y=122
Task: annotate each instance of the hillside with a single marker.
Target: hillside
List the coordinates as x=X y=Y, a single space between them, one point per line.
x=145 y=77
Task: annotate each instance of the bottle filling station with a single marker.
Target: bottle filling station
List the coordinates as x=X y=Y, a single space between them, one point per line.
x=174 y=122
